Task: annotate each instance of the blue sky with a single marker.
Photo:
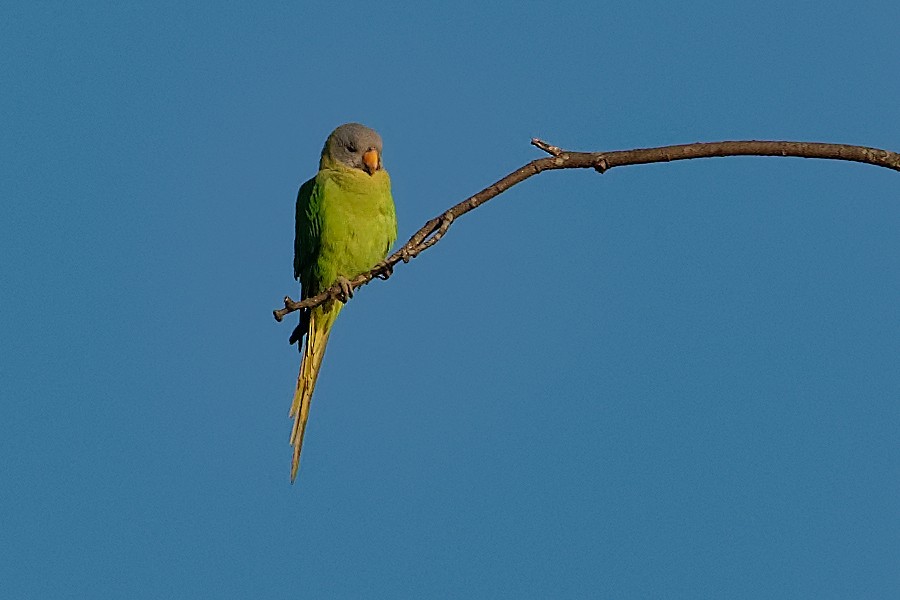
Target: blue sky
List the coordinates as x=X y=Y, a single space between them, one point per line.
x=670 y=381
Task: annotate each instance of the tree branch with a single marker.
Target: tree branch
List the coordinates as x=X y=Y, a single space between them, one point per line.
x=432 y=232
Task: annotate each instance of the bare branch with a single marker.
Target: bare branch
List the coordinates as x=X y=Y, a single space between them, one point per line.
x=432 y=232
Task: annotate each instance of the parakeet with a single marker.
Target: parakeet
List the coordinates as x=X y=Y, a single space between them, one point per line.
x=346 y=224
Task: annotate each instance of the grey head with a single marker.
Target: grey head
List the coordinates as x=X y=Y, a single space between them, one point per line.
x=355 y=146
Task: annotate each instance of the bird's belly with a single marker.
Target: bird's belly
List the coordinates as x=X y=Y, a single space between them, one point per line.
x=356 y=250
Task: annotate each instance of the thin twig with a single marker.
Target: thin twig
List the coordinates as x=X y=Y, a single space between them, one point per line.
x=432 y=232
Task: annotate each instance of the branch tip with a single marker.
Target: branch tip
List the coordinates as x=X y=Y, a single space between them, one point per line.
x=548 y=148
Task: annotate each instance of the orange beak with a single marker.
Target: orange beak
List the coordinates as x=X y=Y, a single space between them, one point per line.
x=370 y=159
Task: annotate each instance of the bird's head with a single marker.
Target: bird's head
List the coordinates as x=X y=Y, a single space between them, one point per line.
x=355 y=146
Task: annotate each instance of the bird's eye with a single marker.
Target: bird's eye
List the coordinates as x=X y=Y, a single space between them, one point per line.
x=351 y=148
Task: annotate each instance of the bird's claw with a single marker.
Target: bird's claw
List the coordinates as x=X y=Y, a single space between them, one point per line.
x=346 y=289
x=386 y=270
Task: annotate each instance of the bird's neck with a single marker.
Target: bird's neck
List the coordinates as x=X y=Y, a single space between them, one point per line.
x=353 y=179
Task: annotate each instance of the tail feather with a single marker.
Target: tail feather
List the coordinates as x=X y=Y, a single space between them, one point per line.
x=316 y=340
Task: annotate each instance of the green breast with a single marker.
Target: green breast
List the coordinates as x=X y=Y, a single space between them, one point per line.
x=358 y=223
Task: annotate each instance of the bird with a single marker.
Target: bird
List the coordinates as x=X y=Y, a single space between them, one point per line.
x=346 y=224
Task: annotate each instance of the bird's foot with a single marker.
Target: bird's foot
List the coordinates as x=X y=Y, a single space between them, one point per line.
x=346 y=289
x=386 y=270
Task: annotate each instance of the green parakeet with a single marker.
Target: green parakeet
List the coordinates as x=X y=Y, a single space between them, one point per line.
x=346 y=224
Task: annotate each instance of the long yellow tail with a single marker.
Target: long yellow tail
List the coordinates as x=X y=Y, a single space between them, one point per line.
x=316 y=340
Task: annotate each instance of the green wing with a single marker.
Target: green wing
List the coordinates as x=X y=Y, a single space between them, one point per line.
x=307 y=241
x=307 y=236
